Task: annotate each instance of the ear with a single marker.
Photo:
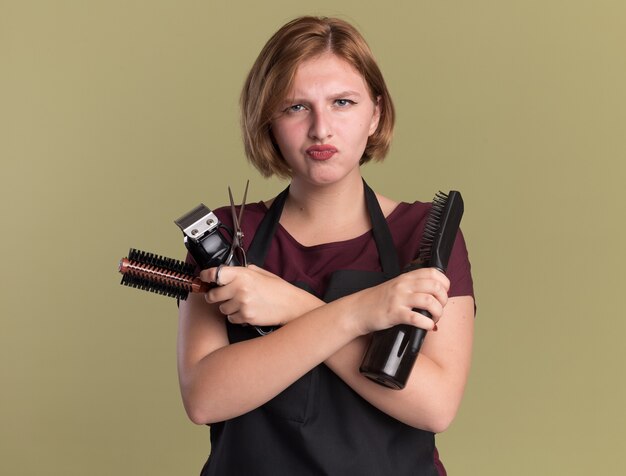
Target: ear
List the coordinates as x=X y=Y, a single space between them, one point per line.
x=375 y=117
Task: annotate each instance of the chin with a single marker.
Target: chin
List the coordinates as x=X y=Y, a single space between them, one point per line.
x=326 y=174
x=325 y=180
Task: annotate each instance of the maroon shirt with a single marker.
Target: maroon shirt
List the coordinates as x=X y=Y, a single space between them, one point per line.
x=313 y=265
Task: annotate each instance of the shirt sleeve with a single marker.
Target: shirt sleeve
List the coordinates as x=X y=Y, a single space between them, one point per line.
x=459 y=270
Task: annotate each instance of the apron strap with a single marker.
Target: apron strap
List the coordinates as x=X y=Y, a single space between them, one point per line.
x=382 y=236
x=265 y=232
x=262 y=240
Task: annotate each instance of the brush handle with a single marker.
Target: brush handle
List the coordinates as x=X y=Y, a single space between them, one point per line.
x=392 y=352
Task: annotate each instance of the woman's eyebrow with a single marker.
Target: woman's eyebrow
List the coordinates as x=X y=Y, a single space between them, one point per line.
x=302 y=98
x=345 y=93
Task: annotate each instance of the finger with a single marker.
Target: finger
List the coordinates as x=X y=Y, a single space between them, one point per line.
x=226 y=274
x=428 y=303
x=419 y=320
x=208 y=275
x=431 y=274
x=429 y=283
x=440 y=277
x=229 y=308
x=220 y=293
x=234 y=318
x=433 y=287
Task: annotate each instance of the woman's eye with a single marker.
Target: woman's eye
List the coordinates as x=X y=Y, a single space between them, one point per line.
x=344 y=102
x=295 y=108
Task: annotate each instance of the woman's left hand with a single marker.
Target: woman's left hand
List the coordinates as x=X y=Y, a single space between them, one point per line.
x=254 y=296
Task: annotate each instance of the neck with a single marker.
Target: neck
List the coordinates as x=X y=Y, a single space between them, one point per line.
x=334 y=200
x=336 y=212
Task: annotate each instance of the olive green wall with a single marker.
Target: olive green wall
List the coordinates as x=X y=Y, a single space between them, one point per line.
x=118 y=116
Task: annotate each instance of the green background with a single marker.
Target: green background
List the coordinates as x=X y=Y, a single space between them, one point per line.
x=116 y=117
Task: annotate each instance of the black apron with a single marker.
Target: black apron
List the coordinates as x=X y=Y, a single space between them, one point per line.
x=318 y=425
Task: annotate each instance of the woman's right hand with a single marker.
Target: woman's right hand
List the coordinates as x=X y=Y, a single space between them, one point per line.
x=254 y=296
x=394 y=302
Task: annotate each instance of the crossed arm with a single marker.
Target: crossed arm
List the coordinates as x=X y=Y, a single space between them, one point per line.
x=220 y=381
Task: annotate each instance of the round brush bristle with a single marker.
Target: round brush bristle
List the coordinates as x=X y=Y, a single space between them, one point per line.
x=162 y=288
x=157 y=274
x=160 y=261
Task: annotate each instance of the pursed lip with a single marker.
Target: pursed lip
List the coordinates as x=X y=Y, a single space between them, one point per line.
x=321 y=151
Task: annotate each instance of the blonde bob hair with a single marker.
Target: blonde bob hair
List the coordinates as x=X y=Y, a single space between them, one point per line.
x=271 y=78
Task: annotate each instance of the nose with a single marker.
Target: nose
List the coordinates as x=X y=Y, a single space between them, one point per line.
x=320 y=128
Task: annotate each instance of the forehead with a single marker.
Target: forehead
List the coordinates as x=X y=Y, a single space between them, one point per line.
x=327 y=72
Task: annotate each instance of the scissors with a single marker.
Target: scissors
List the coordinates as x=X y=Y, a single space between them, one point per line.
x=237 y=254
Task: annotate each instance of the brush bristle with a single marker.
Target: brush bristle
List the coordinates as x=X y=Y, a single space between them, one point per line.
x=154 y=287
x=160 y=261
x=433 y=223
x=157 y=274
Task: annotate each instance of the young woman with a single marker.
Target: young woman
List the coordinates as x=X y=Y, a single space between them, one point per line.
x=327 y=256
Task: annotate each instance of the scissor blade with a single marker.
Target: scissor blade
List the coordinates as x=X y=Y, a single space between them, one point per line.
x=232 y=210
x=243 y=203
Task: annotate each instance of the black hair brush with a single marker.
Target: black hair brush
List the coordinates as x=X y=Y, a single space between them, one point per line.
x=392 y=352
x=160 y=275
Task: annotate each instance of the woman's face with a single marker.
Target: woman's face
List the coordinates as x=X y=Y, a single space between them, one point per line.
x=323 y=125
